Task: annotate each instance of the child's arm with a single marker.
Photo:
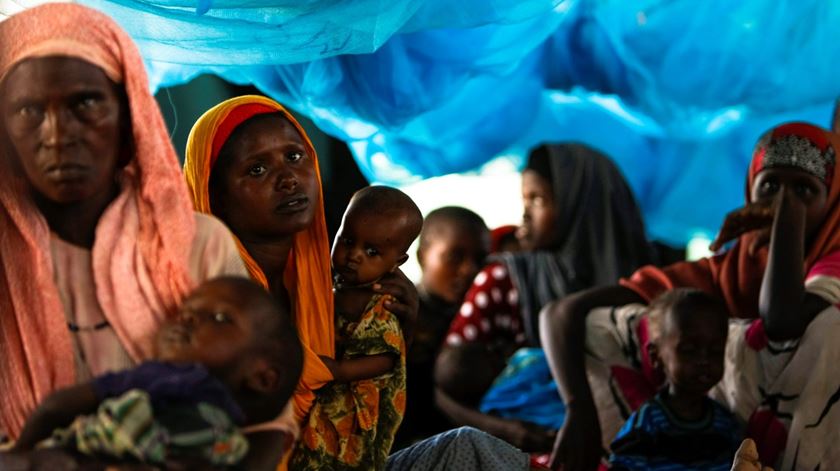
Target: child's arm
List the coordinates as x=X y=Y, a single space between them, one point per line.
x=359 y=368
x=58 y=410
x=785 y=306
x=526 y=436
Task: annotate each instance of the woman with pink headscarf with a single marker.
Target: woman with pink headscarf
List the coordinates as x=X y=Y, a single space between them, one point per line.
x=98 y=239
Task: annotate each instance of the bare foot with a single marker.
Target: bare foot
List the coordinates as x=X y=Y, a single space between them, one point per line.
x=746 y=458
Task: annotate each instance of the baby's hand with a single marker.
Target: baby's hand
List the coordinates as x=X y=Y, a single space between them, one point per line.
x=746 y=458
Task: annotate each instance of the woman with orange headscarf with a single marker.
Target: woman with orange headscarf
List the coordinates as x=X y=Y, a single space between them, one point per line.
x=250 y=163
x=780 y=360
x=98 y=238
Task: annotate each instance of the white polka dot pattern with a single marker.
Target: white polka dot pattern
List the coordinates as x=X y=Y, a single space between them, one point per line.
x=470 y=332
x=513 y=297
x=481 y=300
x=454 y=340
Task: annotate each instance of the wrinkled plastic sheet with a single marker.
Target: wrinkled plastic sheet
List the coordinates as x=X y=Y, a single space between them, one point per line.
x=676 y=91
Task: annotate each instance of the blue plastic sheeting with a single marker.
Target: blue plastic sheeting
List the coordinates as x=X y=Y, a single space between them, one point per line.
x=676 y=91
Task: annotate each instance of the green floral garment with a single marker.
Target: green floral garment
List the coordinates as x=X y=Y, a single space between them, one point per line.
x=352 y=425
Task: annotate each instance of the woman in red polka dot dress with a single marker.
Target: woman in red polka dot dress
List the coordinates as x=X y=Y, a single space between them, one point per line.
x=580 y=228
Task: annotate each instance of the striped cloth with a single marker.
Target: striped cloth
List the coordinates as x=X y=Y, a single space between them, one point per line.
x=653 y=438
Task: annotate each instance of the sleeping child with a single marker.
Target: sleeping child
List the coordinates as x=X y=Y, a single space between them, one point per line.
x=229 y=358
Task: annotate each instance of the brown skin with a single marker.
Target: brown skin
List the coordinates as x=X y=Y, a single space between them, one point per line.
x=538 y=230
x=562 y=324
x=563 y=333
x=690 y=352
x=450 y=259
x=787 y=208
x=524 y=435
x=215 y=326
x=367 y=246
x=797 y=218
x=68 y=134
x=268 y=191
x=760 y=212
x=66 y=123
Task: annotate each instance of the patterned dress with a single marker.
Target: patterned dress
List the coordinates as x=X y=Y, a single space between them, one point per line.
x=490 y=312
x=352 y=425
x=159 y=411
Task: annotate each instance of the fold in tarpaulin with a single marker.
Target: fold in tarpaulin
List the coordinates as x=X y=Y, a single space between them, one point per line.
x=677 y=91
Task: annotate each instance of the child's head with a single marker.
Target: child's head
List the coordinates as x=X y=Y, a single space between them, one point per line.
x=453 y=245
x=244 y=337
x=688 y=330
x=379 y=225
x=798 y=156
x=465 y=372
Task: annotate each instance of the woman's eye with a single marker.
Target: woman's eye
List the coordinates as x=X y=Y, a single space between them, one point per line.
x=371 y=252
x=29 y=111
x=257 y=170
x=87 y=103
x=294 y=156
x=220 y=317
x=804 y=190
x=769 y=187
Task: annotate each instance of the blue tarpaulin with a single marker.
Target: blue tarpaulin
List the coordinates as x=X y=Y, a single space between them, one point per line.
x=676 y=91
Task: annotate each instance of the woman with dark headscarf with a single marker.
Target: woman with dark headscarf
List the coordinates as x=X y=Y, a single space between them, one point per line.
x=581 y=228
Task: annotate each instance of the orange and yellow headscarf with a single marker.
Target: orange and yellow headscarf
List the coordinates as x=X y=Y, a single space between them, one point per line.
x=307 y=276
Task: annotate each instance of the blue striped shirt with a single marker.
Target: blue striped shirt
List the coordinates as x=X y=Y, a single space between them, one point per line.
x=653 y=438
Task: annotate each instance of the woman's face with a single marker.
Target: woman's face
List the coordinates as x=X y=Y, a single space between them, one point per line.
x=810 y=190
x=268 y=187
x=539 y=219
x=64 y=119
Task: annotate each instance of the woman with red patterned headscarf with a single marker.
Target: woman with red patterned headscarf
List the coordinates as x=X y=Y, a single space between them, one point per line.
x=778 y=369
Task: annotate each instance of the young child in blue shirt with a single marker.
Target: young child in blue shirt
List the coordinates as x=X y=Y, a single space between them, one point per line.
x=681 y=428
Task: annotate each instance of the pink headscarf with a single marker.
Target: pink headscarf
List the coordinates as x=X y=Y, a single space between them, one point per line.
x=142 y=240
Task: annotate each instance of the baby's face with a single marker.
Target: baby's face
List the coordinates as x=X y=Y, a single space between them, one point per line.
x=212 y=327
x=367 y=246
x=691 y=350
